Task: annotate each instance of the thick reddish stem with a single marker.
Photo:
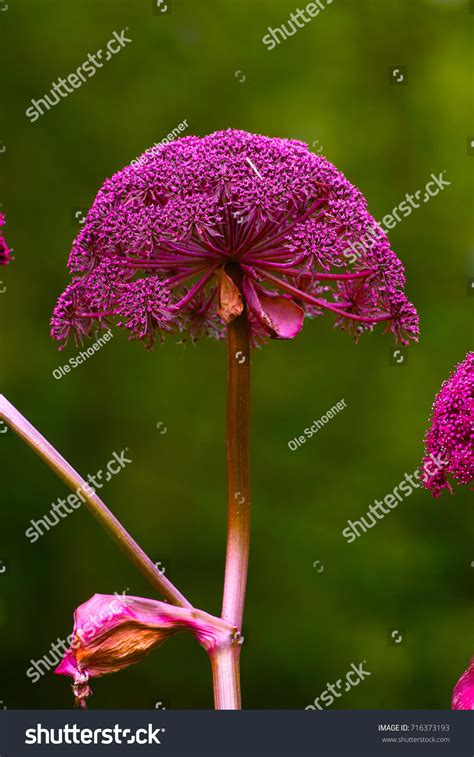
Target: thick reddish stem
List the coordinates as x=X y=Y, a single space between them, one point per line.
x=238 y=470
x=225 y=664
x=225 y=660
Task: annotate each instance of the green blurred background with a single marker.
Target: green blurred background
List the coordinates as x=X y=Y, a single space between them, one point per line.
x=328 y=85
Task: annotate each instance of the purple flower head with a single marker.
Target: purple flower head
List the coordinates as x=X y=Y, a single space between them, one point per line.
x=200 y=230
x=463 y=694
x=5 y=253
x=450 y=437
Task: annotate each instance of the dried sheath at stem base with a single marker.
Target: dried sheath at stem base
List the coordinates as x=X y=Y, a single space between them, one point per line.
x=112 y=632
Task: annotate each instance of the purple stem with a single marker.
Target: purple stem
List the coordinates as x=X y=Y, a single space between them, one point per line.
x=324 y=304
x=289 y=271
x=197 y=286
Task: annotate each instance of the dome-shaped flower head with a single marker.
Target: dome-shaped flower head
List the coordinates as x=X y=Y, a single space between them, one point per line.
x=450 y=437
x=463 y=694
x=5 y=253
x=198 y=231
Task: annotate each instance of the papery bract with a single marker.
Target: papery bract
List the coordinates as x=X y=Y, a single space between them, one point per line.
x=112 y=632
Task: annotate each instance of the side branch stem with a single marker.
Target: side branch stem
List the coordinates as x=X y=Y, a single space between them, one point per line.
x=24 y=429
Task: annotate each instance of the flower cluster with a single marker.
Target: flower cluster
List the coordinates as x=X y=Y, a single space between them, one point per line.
x=5 y=253
x=200 y=230
x=451 y=433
